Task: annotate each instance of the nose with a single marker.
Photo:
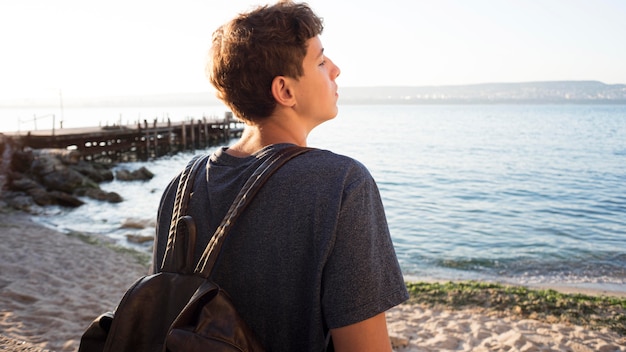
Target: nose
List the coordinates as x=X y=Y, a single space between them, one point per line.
x=336 y=71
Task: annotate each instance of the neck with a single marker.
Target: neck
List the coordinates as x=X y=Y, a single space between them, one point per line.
x=272 y=130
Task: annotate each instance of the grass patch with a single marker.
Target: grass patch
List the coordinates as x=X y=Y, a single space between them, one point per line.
x=595 y=312
x=142 y=258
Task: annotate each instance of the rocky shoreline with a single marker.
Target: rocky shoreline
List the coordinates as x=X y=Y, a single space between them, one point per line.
x=46 y=177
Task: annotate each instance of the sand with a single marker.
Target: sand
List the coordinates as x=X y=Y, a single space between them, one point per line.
x=53 y=285
x=415 y=328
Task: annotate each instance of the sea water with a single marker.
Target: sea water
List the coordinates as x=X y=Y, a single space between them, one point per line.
x=531 y=194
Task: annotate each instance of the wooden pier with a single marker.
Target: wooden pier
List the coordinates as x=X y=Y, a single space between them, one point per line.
x=135 y=142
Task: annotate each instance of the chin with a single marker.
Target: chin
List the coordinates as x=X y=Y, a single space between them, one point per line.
x=333 y=115
x=335 y=111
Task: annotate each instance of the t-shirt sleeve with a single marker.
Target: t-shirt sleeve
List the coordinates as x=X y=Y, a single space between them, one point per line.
x=362 y=277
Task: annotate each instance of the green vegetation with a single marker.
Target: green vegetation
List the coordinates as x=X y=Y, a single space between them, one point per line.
x=141 y=258
x=595 y=312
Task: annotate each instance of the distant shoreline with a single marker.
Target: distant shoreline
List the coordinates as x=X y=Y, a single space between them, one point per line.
x=482 y=102
x=344 y=102
x=550 y=92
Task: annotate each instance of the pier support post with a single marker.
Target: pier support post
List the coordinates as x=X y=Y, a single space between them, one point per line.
x=206 y=131
x=184 y=135
x=147 y=137
x=156 y=138
x=170 y=134
x=193 y=134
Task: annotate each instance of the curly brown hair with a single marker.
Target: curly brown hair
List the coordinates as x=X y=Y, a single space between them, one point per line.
x=252 y=49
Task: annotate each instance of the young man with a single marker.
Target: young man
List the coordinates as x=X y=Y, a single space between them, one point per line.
x=312 y=253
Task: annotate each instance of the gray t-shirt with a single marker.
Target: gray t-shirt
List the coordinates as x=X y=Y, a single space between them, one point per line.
x=312 y=251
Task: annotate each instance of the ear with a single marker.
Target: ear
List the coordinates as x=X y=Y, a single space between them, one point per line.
x=282 y=90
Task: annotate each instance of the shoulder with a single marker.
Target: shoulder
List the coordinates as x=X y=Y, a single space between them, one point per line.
x=324 y=172
x=322 y=166
x=322 y=159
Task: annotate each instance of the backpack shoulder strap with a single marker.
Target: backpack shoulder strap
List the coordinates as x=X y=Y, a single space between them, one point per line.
x=181 y=238
x=244 y=197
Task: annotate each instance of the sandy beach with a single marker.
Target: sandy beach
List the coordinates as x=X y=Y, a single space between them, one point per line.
x=53 y=285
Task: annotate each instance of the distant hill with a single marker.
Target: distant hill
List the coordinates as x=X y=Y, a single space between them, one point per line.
x=560 y=92
x=528 y=92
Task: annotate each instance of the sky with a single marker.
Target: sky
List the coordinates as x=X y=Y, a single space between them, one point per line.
x=129 y=47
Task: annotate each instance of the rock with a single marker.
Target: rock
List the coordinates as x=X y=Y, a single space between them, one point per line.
x=64 y=180
x=21 y=161
x=41 y=197
x=136 y=223
x=99 y=194
x=95 y=172
x=140 y=174
x=20 y=202
x=36 y=191
x=23 y=184
x=45 y=164
x=63 y=155
x=55 y=176
x=66 y=200
x=145 y=173
x=139 y=239
x=123 y=175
